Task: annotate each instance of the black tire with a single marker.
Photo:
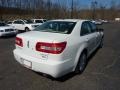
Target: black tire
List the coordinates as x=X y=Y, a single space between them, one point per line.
x=27 y=29
x=81 y=65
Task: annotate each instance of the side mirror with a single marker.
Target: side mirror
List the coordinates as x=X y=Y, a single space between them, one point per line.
x=100 y=30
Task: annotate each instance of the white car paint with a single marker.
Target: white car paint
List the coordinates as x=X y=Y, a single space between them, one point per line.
x=23 y=25
x=60 y=64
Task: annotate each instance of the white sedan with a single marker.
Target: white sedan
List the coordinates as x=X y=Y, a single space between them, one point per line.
x=24 y=25
x=6 y=30
x=58 y=47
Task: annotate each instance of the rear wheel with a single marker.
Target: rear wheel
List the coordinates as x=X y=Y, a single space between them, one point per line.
x=81 y=63
x=27 y=29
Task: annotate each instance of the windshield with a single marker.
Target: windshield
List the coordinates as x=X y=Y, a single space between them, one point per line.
x=56 y=27
x=28 y=21
x=3 y=24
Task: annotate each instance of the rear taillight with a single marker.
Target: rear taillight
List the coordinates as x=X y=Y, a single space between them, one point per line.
x=53 y=48
x=18 y=41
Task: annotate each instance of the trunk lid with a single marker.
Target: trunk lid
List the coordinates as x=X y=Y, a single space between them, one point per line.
x=31 y=38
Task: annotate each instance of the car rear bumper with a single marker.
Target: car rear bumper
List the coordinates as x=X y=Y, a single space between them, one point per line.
x=53 y=68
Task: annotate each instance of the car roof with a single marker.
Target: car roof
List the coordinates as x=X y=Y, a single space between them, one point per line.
x=70 y=20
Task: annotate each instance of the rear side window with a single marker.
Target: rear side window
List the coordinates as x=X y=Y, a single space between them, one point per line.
x=85 y=29
x=93 y=27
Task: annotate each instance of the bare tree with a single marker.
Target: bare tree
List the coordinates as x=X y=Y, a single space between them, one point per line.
x=72 y=5
x=113 y=9
x=49 y=6
x=102 y=11
x=94 y=6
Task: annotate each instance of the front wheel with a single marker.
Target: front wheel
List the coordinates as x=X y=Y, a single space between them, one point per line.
x=81 y=63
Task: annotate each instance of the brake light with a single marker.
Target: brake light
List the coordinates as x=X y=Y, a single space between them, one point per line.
x=18 y=41
x=53 y=48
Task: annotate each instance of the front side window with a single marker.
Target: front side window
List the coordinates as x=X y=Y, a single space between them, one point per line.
x=85 y=29
x=56 y=27
x=21 y=22
x=18 y=22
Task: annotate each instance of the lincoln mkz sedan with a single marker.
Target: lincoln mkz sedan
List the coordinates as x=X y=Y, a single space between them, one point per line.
x=58 y=47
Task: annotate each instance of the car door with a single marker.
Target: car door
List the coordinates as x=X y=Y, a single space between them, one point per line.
x=15 y=24
x=96 y=34
x=87 y=36
x=19 y=25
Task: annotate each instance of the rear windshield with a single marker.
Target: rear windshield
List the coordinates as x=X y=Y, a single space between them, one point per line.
x=56 y=27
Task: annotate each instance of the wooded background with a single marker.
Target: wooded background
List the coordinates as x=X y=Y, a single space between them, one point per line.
x=52 y=9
